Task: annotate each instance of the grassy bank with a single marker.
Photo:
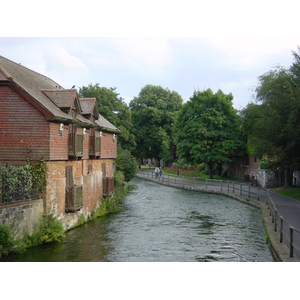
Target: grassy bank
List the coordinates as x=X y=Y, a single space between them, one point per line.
x=290 y=192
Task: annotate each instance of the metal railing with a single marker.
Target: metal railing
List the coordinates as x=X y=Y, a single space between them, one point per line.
x=237 y=188
x=286 y=232
x=19 y=196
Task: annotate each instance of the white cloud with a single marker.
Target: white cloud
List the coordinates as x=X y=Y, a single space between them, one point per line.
x=252 y=53
x=180 y=64
x=58 y=59
x=136 y=53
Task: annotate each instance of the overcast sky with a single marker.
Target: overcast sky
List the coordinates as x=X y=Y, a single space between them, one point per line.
x=180 y=47
x=180 y=64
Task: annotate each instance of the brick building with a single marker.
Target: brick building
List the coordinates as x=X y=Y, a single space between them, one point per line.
x=40 y=120
x=248 y=168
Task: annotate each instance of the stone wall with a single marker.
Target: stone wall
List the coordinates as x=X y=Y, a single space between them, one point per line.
x=22 y=217
x=266 y=179
x=86 y=173
x=296 y=178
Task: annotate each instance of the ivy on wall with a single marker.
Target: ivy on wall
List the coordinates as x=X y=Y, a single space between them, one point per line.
x=19 y=181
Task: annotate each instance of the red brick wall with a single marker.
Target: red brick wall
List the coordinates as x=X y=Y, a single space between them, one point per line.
x=253 y=163
x=108 y=145
x=253 y=166
x=86 y=144
x=91 y=182
x=24 y=132
x=58 y=142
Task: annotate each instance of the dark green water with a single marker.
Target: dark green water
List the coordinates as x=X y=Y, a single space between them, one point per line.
x=164 y=224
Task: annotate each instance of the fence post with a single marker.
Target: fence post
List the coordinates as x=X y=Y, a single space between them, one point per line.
x=233 y=187
x=281 y=229
x=275 y=220
x=227 y=186
x=291 y=242
x=221 y=185
x=241 y=189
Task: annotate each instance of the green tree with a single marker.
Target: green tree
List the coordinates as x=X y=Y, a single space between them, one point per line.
x=112 y=107
x=272 y=123
x=207 y=129
x=126 y=163
x=154 y=112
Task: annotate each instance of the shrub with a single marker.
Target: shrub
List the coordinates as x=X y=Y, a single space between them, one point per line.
x=119 y=178
x=6 y=240
x=50 y=230
x=126 y=163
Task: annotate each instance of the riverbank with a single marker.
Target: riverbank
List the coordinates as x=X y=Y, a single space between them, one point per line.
x=51 y=229
x=242 y=192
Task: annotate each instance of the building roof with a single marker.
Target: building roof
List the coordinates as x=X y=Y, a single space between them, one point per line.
x=105 y=125
x=88 y=105
x=50 y=96
x=32 y=83
x=62 y=98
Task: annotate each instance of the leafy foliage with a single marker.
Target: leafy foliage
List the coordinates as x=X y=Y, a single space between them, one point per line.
x=6 y=240
x=207 y=129
x=154 y=112
x=50 y=230
x=15 y=180
x=272 y=123
x=112 y=107
x=126 y=163
x=22 y=179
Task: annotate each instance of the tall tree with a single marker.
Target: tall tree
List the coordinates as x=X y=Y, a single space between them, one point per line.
x=112 y=107
x=272 y=123
x=153 y=114
x=207 y=129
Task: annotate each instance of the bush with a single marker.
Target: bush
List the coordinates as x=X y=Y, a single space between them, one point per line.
x=50 y=230
x=119 y=178
x=126 y=163
x=6 y=240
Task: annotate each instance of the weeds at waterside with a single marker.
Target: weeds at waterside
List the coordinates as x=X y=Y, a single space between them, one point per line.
x=111 y=204
x=50 y=229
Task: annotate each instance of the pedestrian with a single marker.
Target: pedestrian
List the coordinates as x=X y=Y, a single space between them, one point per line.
x=156 y=172
x=160 y=171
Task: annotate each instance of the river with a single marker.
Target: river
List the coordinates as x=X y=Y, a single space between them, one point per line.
x=163 y=224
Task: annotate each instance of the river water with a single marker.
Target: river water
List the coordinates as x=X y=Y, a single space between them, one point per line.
x=163 y=224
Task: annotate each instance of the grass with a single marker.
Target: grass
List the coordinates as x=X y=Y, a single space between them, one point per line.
x=290 y=192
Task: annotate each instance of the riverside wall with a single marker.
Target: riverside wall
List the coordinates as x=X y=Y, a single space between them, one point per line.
x=23 y=218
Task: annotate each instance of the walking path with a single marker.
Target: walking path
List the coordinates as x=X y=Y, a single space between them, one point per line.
x=281 y=215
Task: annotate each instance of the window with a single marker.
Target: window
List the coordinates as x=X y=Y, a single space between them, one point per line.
x=73 y=192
